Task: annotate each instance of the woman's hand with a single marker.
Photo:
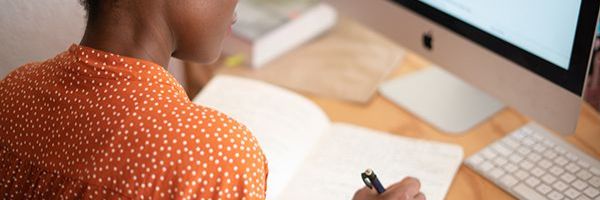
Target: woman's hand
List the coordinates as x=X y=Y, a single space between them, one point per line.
x=407 y=189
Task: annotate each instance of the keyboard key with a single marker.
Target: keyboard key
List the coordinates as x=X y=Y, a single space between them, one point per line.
x=500 y=161
x=561 y=161
x=524 y=150
x=571 y=156
x=583 y=164
x=521 y=175
x=475 y=159
x=515 y=158
x=545 y=164
x=557 y=171
x=583 y=197
x=550 y=154
x=572 y=167
x=534 y=157
x=567 y=177
x=579 y=185
x=572 y=193
x=543 y=188
x=595 y=181
x=548 y=143
x=537 y=137
x=560 y=186
x=498 y=147
x=508 y=180
x=486 y=166
x=527 y=131
x=595 y=171
x=560 y=150
x=488 y=154
x=511 y=143
x=584 y=175
x=537 y=172
x=526 y=165
x=532 y=181
x=591 y=192
x=548 y=179
x=539 y=148
x=519 y=135
x=510 y=167
x=528 y=141
x=496 y=173
x=555 y=195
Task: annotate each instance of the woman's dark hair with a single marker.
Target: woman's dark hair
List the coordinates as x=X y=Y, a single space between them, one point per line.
x=91 y=7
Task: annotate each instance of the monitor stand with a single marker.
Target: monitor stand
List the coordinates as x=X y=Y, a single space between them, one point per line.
x=441 y=99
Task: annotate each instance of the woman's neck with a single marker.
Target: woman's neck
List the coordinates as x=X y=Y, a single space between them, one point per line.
x=124 y=32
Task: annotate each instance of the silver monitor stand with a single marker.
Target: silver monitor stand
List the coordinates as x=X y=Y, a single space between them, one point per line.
x=441 y=99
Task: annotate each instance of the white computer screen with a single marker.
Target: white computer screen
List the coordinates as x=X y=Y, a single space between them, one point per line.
x=545 y=28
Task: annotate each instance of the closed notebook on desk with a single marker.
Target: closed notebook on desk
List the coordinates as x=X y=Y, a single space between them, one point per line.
x=312 y=158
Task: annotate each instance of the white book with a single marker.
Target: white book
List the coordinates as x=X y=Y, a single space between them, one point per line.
x=267 y=29
x=312 y=158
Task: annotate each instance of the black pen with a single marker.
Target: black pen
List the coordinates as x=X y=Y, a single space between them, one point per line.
x=370 y=179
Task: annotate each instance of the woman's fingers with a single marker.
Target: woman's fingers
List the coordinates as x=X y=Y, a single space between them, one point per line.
x=407 y=189
x=412 y=186
x=419 y=196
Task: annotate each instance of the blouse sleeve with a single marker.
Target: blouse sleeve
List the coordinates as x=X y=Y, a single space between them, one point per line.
x=227 y=163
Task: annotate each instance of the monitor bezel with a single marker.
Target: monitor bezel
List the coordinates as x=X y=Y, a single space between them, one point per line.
x=572 y=79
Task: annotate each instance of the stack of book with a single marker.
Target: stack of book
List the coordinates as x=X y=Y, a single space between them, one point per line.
x=267 y=29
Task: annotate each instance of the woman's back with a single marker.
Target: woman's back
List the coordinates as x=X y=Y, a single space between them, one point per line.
x=90 y=124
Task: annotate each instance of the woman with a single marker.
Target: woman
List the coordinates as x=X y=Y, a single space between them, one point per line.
x=105 y=120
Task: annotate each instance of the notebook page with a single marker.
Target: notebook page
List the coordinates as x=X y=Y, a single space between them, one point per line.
x=333 y=170
x=286 y=125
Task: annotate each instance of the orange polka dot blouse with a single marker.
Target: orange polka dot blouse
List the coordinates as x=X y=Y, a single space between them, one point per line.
x=89 y=124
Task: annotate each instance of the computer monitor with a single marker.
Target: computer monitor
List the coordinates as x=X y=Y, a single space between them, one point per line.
x=531 y=54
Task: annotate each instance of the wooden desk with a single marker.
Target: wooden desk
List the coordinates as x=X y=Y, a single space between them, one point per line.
x=382 y=114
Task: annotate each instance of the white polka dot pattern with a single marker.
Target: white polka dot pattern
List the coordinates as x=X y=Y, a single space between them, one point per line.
x=93 y=125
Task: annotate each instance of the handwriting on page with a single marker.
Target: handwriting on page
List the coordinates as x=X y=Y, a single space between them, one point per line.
x=333 y=170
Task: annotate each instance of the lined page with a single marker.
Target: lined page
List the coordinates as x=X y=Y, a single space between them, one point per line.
x=332 y=171
x=286 y=125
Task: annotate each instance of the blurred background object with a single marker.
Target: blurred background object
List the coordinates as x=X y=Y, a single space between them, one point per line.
x=592 y=89
x=347 y=63
x=266 y=29
x=37 y=30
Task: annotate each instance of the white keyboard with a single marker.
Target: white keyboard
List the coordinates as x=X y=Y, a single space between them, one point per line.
x=532 y=163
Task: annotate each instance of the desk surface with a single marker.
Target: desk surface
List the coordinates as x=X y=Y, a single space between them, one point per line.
x=382 y=114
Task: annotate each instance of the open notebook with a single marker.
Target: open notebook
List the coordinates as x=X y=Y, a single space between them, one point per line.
x=312 y=158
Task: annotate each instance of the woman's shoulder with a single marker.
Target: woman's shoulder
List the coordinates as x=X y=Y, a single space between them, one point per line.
x=207 y=149
x=216 y=128
x=35 y=68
